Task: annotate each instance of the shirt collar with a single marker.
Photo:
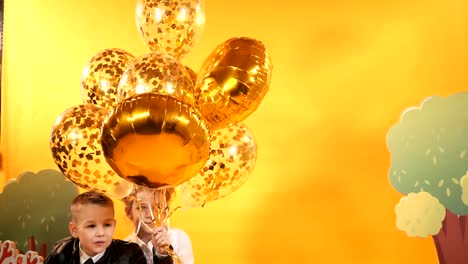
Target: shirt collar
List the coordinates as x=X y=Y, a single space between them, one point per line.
x=136 y=239
x=84 y=256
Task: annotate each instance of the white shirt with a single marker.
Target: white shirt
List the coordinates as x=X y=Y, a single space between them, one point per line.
x=180 y=243
x=84 y=257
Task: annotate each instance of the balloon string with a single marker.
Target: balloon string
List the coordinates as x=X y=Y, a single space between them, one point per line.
x=175 y=258
x=162 y=217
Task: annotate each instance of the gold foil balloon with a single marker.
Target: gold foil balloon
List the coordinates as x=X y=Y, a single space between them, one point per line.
x=159 y=73
x=233 y=81
x=155 y=140
x=75 y=142
x=192 y=74
x=232 y=159
x=101 y=77
x=168 y=26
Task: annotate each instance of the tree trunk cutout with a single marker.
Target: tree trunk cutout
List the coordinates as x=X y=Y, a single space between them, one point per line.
x=450 y=242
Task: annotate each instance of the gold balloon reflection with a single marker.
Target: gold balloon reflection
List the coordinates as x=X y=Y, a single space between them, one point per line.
x=171 y=27
x=158 y=73
x=155 y=140
x=75 y=143
x=233 y=81
x=232 y=159
x=101 y=77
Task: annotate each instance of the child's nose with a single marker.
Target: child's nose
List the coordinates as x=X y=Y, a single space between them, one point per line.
x=148 y=215
x=100 y=231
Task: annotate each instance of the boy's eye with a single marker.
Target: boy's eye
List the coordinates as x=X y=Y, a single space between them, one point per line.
x=91 y=226
x=107 y=225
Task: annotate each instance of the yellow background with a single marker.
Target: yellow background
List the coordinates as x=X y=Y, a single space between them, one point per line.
x=343 y=73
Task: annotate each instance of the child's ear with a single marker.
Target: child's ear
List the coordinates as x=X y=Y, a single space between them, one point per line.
x=73 y=230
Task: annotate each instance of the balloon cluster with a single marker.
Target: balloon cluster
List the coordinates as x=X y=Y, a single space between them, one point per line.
x=152 y=122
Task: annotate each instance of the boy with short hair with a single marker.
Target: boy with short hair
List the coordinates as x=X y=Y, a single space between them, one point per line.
x=92 y=228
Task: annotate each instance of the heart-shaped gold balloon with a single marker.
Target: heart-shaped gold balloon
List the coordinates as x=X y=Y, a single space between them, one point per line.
x=155 y=140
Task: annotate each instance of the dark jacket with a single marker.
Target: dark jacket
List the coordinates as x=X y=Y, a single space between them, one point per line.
x=66 y=251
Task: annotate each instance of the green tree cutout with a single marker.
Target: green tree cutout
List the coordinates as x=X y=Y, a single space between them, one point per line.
x=36 y=205
x=429 y=164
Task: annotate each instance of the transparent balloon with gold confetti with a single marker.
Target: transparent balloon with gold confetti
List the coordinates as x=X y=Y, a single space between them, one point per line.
x=75 y=142
x=170 y=27
x=101 y=76
x=232 y=159
x=157 y=73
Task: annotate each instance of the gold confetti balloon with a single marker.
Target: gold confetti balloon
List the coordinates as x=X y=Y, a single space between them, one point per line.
x=155 y=140
x=101 y=76
x=75 y=142
x=158 y=73
x=232 y=159
x=170 y=27
x=233 y=81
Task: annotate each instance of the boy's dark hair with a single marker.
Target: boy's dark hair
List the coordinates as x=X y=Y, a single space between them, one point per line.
x=90 y=197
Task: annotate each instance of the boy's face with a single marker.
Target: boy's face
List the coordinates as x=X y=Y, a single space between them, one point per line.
x=144 y=208
x=94 y=225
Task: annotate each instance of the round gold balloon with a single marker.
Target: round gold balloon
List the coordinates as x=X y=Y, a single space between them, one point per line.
x=75 y=143
x=171 y=27
x=155 y=140
x=233 y=81
x=232 y=159
x=101 y=77
x=158 y=73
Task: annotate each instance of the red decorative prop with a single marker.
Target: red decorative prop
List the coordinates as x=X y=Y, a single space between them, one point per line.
x=10 y=255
